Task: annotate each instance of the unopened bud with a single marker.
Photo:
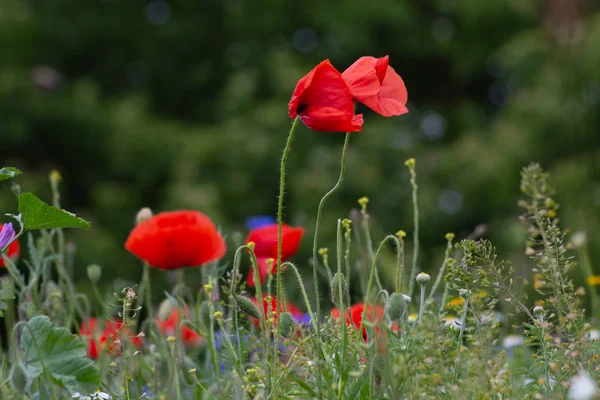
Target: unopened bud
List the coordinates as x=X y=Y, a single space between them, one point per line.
x=334 y=288
x=165 y=309
x=401 y=234
x=94 y=272
x=143 y=215
x=205 y=316
x=396 y=306
x=407 y=299
x=363 y=201
x=538 y=310
x=423 y=278
x=449 y=236
x=286 y=324
x=18 y=378
x=246 y=306
x=55 y=177
x=410 y=163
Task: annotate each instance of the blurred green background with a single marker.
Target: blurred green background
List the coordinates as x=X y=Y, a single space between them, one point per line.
x=183 y=104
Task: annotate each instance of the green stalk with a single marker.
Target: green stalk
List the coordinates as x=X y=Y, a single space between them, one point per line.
x=344 y=343
x=410 y=163
x=315 y=250
x=440 y=277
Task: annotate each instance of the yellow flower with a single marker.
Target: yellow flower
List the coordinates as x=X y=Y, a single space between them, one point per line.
x=593 y=280
x=455 y=302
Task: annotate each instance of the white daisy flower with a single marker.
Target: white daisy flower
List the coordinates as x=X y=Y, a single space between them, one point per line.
x=511 y=341
x=582 y=387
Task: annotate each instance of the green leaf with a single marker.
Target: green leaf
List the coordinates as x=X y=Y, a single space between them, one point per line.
x=8 y=173
x=55 y=352
x=35 y=214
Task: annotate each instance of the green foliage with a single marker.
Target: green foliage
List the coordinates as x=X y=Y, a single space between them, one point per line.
x=57 y=355
x=35 y=214
x=8 y=173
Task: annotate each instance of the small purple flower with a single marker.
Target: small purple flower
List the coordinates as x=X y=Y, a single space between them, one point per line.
x=7 y=235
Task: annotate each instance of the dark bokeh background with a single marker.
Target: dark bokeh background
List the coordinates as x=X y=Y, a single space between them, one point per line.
x=183 y=104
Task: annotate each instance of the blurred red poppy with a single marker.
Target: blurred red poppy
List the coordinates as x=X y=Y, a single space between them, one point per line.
x=272 y=306
x=265 y=247
x=105 y=337
x=169 y=326
x=354 y=316
x=375 y=84
x=176 y=239
x=13 y=251
x=324 y=102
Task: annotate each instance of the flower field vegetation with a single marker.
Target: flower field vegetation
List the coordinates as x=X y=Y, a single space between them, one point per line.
x=228 y=328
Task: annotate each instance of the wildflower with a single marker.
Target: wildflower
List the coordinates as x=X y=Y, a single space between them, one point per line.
x=377 y=85
x=511 y=341
x=355 y=313
x=582 y=387
x=257 y=221
x=593 y=334
x=265 y=247
x=168 y=325
x=593 y=280
x=270 y=307
x=98 y=395
x=452 y=321
x=7 y=235
x=171 y=240
x=423 y=278
x=105 y=337
x=324 y=102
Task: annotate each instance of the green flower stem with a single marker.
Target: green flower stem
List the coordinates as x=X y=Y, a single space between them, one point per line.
x=304 y=296
x=442 y=271
x=284 y=157
x=372 y=275
x=413 y=271
x=175 y=370
x=315 y=252
x=422 y=303
x=463 y=323
x=340 y=289
x=587 y=271
x=148 y=294
x=400 y=265
x=367 y=230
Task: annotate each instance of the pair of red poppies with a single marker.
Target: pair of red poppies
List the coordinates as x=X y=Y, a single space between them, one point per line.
x=324 y=98
x=177 y=239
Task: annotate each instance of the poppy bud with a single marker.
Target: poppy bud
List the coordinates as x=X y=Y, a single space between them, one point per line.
x=143 y=215
x=94 y=272
x=286 y=324
x=205 y=315
x=334 y=288
x=247 y=307
x=165 y=309
x=18 y=378
x=396 y=306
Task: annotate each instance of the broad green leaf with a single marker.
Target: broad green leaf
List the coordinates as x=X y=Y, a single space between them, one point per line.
x=35 y=214
x=55 y=351
x=8 y=173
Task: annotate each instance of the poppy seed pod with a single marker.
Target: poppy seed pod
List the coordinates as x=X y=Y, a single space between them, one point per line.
x=247 y=307
x=334 y=288
x=396 y=306
x=286 y=324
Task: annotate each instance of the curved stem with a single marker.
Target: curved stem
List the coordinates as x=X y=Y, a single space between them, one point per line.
x=440 y=276
x=284 y=158
x=372 y=275
x=315 y=250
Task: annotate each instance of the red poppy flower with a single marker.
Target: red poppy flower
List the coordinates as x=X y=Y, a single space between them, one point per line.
x=13 y=251
x=169 y=326
x=324 y=102
x=272 y=306
x=176 y=239
x=265 y=247
x=375 y=84
x=354 y=316
x=105 y=338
